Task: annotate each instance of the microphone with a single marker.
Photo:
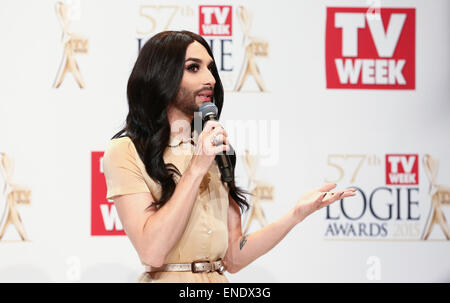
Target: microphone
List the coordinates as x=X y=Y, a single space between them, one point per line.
x=208 y=112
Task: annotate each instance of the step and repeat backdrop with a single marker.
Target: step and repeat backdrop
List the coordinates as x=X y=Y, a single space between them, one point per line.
x=350 y=92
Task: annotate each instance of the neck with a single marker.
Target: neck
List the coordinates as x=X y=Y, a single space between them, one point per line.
x=180 y=123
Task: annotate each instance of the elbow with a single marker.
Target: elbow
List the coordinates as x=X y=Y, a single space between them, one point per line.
x=232 y=267
x=151 y=251
x=153 y=261
x=153 y=258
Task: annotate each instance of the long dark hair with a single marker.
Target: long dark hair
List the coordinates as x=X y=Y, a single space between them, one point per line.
x=153 y=84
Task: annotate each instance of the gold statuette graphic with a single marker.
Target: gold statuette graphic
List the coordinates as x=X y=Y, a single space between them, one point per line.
x=254 y=47
x=73 y=43
x=440 y=195
x=14 y=195
x=260 y=191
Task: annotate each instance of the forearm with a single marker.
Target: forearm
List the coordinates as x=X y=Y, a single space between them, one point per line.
x=253 y=246
x=165 y=227
x=243 y=250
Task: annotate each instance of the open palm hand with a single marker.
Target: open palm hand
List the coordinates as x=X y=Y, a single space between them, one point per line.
x=319 y=198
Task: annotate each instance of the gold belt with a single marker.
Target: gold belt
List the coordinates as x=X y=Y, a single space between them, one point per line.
x=195 y=267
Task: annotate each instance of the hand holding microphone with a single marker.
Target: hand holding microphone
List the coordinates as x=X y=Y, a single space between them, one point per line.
x=212 y=144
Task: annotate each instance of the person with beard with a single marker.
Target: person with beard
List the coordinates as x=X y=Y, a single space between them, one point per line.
x=183 y=221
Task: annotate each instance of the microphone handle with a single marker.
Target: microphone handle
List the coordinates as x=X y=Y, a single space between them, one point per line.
x=223 y=161
x=226 y=171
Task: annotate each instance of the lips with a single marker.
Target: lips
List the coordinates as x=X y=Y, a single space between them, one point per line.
x=206 y=95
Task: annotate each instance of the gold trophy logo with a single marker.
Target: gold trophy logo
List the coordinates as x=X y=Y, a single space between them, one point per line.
x=260 y=191
x=14 y=194
x=440 y=195
x=72 y=43
x=254 y=47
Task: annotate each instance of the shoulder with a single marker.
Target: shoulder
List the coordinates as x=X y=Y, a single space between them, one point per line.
x=119 y=147
x=119 y=152
x=123 y=175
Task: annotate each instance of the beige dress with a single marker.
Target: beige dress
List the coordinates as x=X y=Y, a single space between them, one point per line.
x=206 y=234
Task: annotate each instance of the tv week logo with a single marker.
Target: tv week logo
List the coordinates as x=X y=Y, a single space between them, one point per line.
x=215 y=20
x=402 y=169
x=104 y=218
x=367 y=50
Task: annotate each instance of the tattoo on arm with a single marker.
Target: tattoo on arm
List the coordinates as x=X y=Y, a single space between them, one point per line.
x=242 y=243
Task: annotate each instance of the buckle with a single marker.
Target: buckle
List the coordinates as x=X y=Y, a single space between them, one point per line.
x=221 y=268
x=194 y=270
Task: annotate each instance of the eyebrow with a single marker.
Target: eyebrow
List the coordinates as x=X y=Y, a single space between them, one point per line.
x=197 y=60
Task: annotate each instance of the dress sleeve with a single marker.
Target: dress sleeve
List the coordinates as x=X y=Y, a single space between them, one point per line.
x=122 y=174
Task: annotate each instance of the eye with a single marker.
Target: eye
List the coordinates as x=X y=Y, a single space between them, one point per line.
x=193 y=67
x=211 y=66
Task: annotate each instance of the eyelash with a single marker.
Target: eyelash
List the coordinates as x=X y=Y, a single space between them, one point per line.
x=195 y=65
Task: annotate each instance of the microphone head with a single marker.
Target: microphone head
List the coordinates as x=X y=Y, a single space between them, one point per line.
x=208 y=109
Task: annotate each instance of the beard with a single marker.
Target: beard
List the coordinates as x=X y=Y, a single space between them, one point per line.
x=185 y=101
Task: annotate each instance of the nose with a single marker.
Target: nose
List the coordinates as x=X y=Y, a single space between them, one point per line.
x=209 y=79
